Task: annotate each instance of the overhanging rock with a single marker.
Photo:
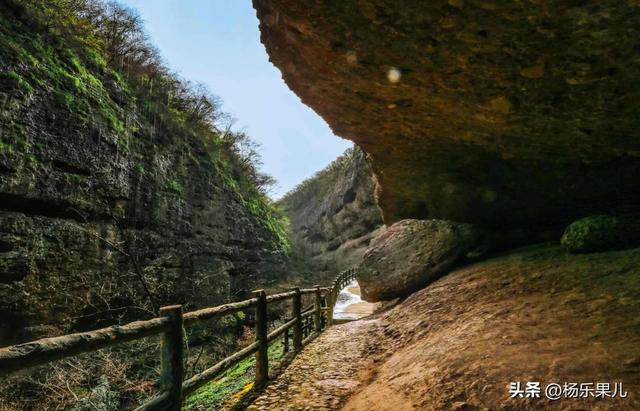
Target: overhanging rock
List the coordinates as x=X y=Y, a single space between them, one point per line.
x=502 y=113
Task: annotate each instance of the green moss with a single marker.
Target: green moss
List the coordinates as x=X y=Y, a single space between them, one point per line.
x=65 y=99
x=97 y=59
x=76 y=178
x=174 y=186
x=17 y=81
x=61 y=69
x=266 y=216
x=6 y=147
x=601 y=233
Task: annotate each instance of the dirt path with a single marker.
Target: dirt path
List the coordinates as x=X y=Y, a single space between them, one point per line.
x=328 y=370
x=534 y=315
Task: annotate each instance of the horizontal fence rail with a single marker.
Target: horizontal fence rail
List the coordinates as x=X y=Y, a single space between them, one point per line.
x=304 y=324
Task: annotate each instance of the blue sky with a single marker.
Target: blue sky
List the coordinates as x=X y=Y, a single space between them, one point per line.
x=217 y=42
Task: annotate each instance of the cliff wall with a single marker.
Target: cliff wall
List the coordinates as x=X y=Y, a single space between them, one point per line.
x=113 y=199
x=333 y=216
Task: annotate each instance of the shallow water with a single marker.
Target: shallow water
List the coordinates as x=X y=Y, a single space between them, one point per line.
x=350 y=306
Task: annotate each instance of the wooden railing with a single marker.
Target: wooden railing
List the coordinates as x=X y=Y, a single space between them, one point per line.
x=170 y=326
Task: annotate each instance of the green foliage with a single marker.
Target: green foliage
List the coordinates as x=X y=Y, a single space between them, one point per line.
x=66 y=51
x=54 y=65
x=76 y=178
x=17 y=81
x=276 y=223
x=5 y=147
x=174 y=186
x=232 y=385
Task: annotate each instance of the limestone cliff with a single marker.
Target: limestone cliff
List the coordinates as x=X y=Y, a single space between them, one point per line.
x=333 y=216
x=112 y=200
x=506 y=114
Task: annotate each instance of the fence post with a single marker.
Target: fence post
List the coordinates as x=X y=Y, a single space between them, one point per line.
x=172 y=357
x=330 y=303
x=262 y=355
x=317 y=317
x=286 y=340
x=325 y=315
x=297 y=314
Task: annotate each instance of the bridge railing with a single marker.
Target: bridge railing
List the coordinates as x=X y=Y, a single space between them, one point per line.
x=170 y=326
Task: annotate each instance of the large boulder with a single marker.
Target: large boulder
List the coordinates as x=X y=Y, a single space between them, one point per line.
x=412 y=253
x=601 y=233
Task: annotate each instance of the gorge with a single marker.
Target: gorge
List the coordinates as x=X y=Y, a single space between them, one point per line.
x=489 y=203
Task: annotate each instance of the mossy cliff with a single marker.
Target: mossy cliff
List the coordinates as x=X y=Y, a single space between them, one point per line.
x=114 y=198
x=332 y=217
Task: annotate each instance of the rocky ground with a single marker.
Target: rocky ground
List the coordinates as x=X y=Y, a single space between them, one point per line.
x=332 y=367
x=536 y=314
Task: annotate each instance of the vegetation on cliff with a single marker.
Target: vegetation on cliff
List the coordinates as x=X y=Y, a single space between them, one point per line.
x=96 y=61
x=122 y=188
x=332 y=217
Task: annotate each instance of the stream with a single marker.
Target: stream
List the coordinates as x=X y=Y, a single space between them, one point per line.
x=350 y=306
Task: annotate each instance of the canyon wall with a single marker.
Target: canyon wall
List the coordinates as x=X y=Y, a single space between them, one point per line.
x=333 y=216
x=112 y=204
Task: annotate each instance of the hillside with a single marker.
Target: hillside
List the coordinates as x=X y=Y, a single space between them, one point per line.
x=332 y=217
x=120 y=191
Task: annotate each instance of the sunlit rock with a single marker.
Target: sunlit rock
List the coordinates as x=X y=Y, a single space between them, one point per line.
x=527 y=109
x=412 y=253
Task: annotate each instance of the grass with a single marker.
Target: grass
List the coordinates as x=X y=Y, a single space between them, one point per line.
x=231 y=387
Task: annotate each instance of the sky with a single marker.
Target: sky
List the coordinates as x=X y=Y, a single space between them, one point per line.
x=217 y=42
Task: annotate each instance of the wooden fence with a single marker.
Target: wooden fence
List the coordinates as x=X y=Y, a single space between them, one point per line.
x=170 y=326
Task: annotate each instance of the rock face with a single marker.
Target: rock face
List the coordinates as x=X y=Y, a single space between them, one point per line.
x=536 y=314
x=100 y=200
x=333 y=217
x=412 y=253
x=601 y=233
x=517 y=114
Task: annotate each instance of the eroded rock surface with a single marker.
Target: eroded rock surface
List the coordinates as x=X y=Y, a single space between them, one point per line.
x=412 y=253
x=537 y=314
x=516 y=114
x=333 y=217
x=100 y=199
